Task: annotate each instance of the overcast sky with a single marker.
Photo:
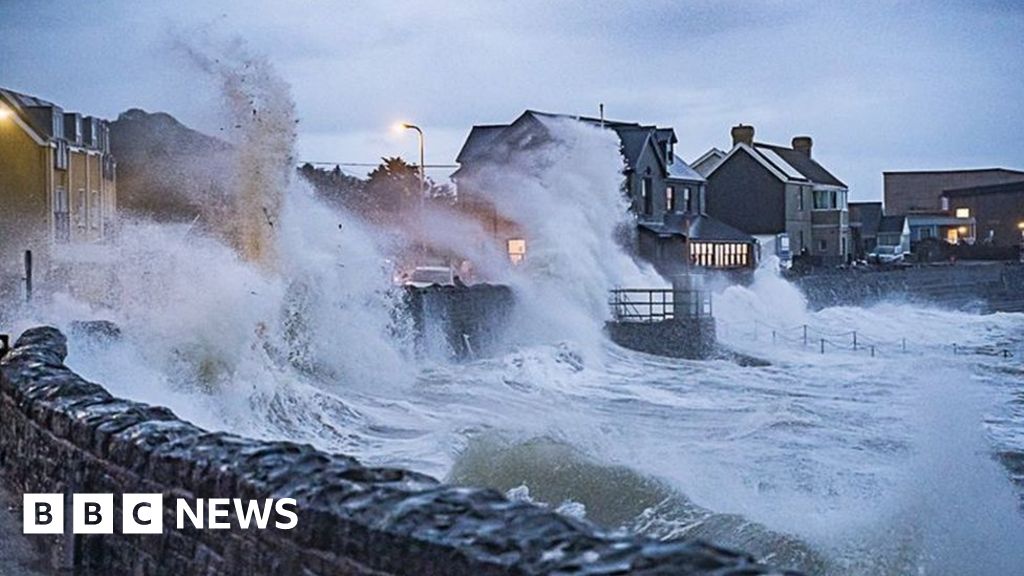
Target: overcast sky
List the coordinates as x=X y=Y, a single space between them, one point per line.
x=879 y=85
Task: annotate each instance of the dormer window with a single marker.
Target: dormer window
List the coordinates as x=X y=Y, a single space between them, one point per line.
x=668 y=151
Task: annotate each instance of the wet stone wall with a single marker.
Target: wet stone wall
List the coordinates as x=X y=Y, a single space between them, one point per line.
x=460 y=322
x=691 y=338
x=987 y=287
x=61 y=434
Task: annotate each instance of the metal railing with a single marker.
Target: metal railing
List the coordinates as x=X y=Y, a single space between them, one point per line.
x=658 y=304
x=821 y=340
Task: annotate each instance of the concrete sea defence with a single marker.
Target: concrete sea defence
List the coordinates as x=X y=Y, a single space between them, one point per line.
x=984 y=287
x=62 y=434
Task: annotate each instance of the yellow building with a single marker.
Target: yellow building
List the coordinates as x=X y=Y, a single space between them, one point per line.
x=57 y=186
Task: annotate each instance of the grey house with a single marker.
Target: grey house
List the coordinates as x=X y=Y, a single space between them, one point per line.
x=667 y=197
x=782 y=196
x=865 y=218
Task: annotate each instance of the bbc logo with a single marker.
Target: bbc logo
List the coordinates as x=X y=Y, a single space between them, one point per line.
x=93 y=514
x=144 y=513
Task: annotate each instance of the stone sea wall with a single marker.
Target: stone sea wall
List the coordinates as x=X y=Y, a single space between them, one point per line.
x=460 y=322
x=983 y=287
x=61 y=434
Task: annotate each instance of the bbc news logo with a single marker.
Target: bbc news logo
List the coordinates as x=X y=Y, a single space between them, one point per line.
x=144 y=514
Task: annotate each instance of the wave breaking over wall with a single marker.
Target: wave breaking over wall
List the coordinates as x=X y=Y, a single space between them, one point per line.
x=61 y=434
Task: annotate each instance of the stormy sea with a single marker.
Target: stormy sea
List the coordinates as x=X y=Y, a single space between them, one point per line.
x=893 y=456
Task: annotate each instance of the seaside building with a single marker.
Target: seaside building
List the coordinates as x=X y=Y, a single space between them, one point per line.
x=998 y=211
x=666 y=196
x=786 y=199
x=57 y=184
x=949 y=205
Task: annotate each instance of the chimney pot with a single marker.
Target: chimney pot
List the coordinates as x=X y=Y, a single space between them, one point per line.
x=803 y=144
x=742 y=133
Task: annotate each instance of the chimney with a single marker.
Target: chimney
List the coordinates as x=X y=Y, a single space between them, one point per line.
x=803 y=144
x=741 y=133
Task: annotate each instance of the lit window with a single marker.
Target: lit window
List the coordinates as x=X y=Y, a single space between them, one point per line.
x=670 y=199
x=952 y=236
x=516 y=250
x=963 y=212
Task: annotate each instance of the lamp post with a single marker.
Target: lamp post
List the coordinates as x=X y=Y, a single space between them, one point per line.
x=423 y=176
x=423 y=181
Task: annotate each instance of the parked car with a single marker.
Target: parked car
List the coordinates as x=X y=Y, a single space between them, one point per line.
x=423 y=276
x=886 y=255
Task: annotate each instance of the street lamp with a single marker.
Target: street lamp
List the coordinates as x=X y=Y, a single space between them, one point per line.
x=423 y=176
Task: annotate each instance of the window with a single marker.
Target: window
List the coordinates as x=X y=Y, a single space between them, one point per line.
x=670 y=199
x=61 y=216
x=822 y=245
x=800 y=199
x=648 y=197
x=516 y=250
x=668 y=151
x=687 y=199
x=719 y=255
x=825 y=199
x=963 y=212
x=952 y=236
x=60 y=155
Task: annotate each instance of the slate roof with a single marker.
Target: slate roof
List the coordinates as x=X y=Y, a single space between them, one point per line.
x=803 y=164
x=19 y=103
x=632 y=136
x=698 y=227
x=478 y=141
x=680 y=170
x=1005 y=188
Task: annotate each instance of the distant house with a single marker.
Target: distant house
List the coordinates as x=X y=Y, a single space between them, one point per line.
x=57 y=183
x=865 y=218
x=997 y=209
x=782 y=196
x=707 y=162
x=907 y=192
x=666 y=196
x=894 y=231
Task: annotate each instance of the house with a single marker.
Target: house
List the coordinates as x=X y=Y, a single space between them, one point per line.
x=952 y=228
x=666 y=196
x=707 y=161
x=907 y=192
x=997 y=209
x=865 y=217
x=894 y=231
x=782 y=196
x=57 y=183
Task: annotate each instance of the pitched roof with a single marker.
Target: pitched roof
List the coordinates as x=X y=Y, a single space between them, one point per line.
x=632 y=136
x=1005 y=188
x=19 y=103
x=801 y=163
x=698 y=227
x=712 y=154
x=480 y=137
